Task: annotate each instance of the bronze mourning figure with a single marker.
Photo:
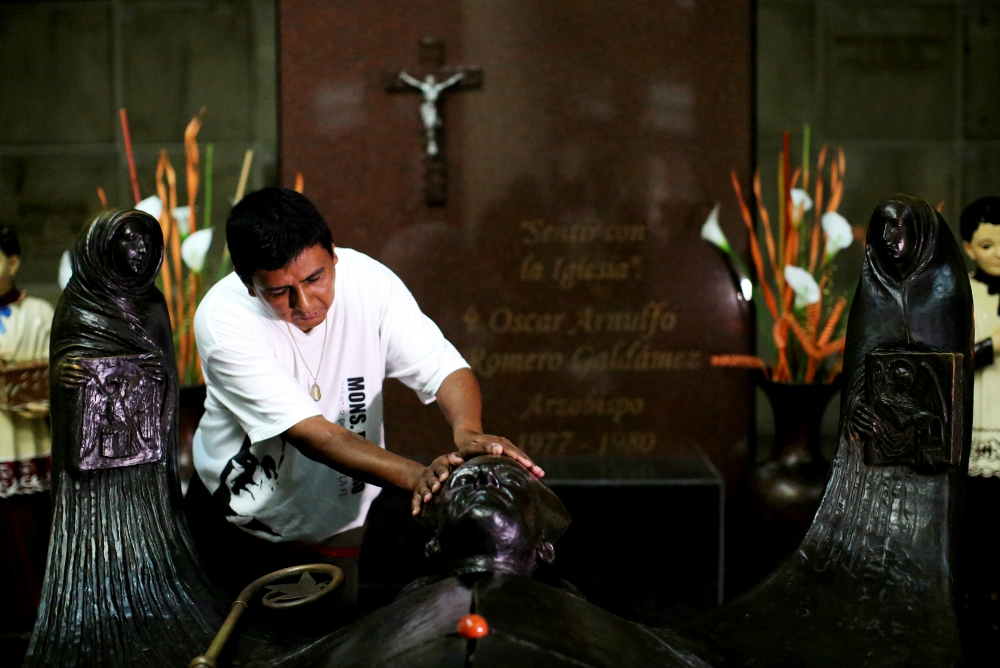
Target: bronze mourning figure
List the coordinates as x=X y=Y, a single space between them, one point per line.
x=871 y=584
x=123 y=586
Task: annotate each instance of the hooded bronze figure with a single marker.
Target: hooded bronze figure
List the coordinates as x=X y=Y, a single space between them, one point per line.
x=123 y=586
x=871 y=583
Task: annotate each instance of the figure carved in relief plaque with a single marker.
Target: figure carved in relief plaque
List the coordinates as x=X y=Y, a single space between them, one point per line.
x=120 y=399
x=904 y=415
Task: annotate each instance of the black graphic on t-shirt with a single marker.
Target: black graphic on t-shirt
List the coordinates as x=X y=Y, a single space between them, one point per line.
x=249 y=464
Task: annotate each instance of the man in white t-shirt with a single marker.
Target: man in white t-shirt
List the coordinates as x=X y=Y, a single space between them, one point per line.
x=294 y=346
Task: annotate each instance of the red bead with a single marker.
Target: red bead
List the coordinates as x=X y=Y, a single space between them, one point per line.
x=472 y=627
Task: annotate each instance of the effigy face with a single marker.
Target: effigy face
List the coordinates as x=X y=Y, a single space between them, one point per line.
x=897 y=234
x=493 y=506
x=131 y=246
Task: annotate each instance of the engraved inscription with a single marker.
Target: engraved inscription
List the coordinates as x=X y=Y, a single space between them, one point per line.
x=906 y=416
x=547 y=443
x=119 y=399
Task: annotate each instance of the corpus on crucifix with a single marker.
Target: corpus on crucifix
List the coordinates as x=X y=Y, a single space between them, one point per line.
x=431 y=84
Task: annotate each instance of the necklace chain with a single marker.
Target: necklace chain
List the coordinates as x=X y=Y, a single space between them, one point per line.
x=314 y=391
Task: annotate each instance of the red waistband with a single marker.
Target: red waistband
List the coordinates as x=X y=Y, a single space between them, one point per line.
x=342 y=552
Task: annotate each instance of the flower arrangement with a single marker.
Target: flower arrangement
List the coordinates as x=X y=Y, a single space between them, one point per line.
x=795 y=278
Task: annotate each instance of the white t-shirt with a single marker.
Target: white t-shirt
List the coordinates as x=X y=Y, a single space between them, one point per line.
x=258 y=387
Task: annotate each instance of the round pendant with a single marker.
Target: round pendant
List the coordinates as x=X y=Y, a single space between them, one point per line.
x=315 y=393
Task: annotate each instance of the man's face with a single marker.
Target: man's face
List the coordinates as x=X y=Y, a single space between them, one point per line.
x=300 y=293
x=985 y=248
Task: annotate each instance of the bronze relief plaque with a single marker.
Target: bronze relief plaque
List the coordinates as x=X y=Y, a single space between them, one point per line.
x=119 y=400
x=913 y=416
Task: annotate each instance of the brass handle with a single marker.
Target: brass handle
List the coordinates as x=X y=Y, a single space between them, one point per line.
x=293 y=596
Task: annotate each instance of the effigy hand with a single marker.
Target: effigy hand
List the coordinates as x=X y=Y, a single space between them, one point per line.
x=864 y=421
x=152 y=365
x=72 y=374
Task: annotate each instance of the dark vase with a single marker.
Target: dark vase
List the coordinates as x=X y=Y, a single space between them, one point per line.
x=787 y=487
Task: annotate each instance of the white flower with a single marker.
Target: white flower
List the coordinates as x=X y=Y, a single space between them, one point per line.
x=195 y=248
x=151 y=205
x=712 y=233
x=839 y=233
x=801 y=200
x=803 y=284
x=182 y=214
x=65 y=270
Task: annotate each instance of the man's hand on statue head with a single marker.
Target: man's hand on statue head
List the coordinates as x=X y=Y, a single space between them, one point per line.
x=472 y=444
x=429 y=480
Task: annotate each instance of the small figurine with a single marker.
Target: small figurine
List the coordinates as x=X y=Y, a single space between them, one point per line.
x=980 y=226
x=979 y=551
x=25 y=444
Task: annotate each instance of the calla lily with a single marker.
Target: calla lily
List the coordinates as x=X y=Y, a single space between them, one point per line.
x=803 y=284
x=151 y=205
x=195 y=248
x=801 y=199
x=182 y=214
x=712 y=232
x=65 y=270
x=839 y=233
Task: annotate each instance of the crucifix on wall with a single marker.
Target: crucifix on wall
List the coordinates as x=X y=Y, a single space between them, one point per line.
x=431 y=82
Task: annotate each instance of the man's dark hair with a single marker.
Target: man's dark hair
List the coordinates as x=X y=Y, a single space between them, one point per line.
x=269 y=228
x=9 y=243
x=983 y=210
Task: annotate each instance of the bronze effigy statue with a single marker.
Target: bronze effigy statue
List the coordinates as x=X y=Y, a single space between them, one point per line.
x=871 y=584
x=494 y=524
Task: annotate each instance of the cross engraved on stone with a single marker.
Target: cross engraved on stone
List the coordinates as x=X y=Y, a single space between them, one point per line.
x=119 y=399
x=431 y=83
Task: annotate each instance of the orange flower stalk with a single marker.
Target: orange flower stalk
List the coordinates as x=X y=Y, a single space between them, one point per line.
x=800 y=267
x=740 y=361
x=758 y=261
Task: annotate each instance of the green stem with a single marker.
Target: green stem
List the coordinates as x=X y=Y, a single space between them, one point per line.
x=209 y=152
x=805 y=156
